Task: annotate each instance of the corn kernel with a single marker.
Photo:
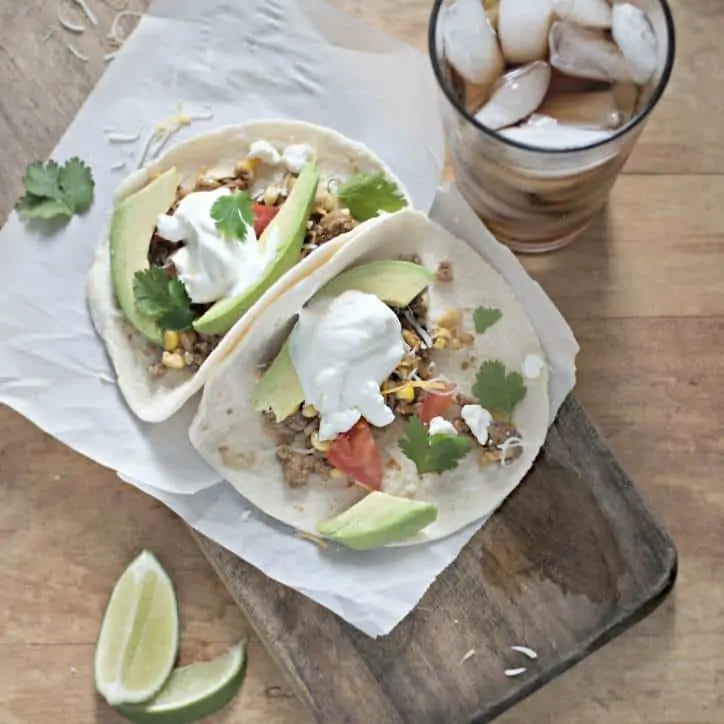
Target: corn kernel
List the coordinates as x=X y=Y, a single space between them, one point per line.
x=319 y=445
x=406 y=393
x=290 y=181
x=188 y=358
x=410 y=337
x=271 y=195
x=440 y=343
x=170 y=340
x=456 y=343
x=450 y=319
x=247 y=165
x=172 y=360
x=334 y=473
x=309 y=411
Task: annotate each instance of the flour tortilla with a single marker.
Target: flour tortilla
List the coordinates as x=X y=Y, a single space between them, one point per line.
x=229 y=434
x=214 y=154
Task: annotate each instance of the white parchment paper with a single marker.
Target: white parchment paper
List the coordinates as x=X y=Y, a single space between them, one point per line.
x=244 y=59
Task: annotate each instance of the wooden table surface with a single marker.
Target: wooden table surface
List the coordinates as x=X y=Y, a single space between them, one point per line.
x=644 y=293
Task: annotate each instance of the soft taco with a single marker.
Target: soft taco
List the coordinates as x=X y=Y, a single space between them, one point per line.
x=394 y=396
x=218 y=224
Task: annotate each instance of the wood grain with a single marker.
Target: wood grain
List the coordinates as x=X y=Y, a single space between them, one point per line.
x=644 y=296
x=535 y=575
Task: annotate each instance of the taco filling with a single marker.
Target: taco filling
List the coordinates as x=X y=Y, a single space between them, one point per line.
x=395 y=396
x=361 y=363
x=224 y=240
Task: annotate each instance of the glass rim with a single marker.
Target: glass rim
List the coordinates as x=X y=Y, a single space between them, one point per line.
x=618 y=133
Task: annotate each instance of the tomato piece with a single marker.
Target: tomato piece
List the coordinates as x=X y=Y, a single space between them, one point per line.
x=355 y=453
x=262 y=216
x=436 y=401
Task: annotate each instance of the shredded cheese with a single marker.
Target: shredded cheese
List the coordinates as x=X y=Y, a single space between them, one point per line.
x=109 y=56
x=123 y=137
x=313 y=538
x=515 y=672
x=118 y=166
x=468 y=655
x=67 y=24
x=510 y=442
x=76 y=52
x=48 y=35
x=421 y=384
x=525 y=651
x=421 y=333
x=113 y=35
x=83 y=5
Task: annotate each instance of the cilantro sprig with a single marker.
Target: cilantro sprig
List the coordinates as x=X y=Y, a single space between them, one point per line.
x=498 y=390
x=53 y=191
x=367 y=194
x=233 y=215
x=485 y=317
x=163 y=299
x=432 y=453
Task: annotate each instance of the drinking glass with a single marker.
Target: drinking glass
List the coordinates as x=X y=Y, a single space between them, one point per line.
x=539 y=199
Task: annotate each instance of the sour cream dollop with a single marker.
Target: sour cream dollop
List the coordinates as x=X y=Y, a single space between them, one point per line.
x=342 y=350
x=297 y=156
x=478 y=419
x=264 y=151
x=441 y=426
x=210 y=266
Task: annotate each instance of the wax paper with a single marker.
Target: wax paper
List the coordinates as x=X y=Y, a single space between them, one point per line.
x=240 y=60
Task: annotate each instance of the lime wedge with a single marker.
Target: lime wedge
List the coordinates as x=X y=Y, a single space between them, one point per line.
x=193 y=692
x=137 y=645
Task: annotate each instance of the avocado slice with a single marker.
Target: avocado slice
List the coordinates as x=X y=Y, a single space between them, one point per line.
x=131 y=230
x=279 y=389
x=291 y=225
x=395 y=282
x=378 y=519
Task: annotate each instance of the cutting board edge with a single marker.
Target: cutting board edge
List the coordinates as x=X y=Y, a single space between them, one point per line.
x=660 y=592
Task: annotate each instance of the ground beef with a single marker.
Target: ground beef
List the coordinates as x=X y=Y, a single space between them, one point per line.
x=325 y=227
x=499 y=432
x=444 y=272
x=298 y=467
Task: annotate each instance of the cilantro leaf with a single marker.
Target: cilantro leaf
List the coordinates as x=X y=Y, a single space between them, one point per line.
x=497 y=390
x=163 y=299
x=76 y=184
x=432 y=453
x=367 y=194
x=53 y=190
x=233 y=215
x=485 y=317
x=34 y=207
x=42 y=180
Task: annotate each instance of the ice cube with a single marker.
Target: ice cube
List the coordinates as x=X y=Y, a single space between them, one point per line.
x=591 y=13
x=627 y=97
x=555 y=136
x=586 y=53
x=470 y=43
x=590 y=110
x=492 y=8
x=516 y=95
x=632 y=31
x=523 y=29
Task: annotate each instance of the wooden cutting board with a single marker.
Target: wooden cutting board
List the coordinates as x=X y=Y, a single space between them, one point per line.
x=571 y=559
